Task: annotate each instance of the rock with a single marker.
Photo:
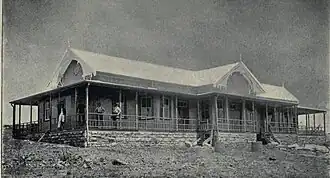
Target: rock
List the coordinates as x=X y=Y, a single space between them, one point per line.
x=308 y=147
x=62 y=173
x=256 y=146
x=28 y=158
x=118 y=162
x=188 y=144
x=87 y=160
x=272 y=159
x=218 y=147
x=111 y=140
x=85 y=165
x=181 y=144
x=207 y=145
x=293 y=146
x=322 y=149
x=113 y=144
x=274 y=143
x=59 y=166
x=101 y=160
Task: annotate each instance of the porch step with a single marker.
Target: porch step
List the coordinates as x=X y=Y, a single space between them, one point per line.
x=204 y=136
x=266 y=138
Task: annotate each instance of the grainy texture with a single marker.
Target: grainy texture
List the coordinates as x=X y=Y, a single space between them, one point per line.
x=73 y=138
x=30 y=159
x=106 y=138
x=280 y=40
x=237 y=137
x=299 y=139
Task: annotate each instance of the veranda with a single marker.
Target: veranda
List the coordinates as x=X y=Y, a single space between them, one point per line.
x=151 y=110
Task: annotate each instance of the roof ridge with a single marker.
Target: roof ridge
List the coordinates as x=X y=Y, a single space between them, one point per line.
x=189 y=70
x=141 y=62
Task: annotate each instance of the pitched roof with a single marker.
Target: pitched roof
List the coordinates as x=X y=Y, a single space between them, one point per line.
x=212 y=75
x=132 y=68
x=277 y=92
x=138 y=69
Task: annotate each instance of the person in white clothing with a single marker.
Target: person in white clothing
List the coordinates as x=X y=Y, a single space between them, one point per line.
x=61 y=120
x=99 y=110
x=116 y=114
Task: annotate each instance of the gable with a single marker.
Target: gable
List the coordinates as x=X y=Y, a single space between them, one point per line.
x=73 y=73
x=212 y=75
x=240 y=73
x=238 y=84
x=69 y=65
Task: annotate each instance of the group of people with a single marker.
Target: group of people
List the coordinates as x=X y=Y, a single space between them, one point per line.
x=116 y=112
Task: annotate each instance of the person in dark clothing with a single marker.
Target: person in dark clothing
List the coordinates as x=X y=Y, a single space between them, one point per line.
x=81 y=114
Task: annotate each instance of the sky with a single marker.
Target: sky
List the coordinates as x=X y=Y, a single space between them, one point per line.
x=280 y=41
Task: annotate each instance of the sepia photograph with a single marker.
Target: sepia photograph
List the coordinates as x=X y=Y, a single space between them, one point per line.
x=165 y=88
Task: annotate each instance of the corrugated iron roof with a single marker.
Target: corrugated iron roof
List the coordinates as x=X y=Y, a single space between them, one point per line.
x=144 y=70
x=277 y=92
x=138 y=69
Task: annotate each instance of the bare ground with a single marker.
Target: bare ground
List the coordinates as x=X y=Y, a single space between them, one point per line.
x=30 y=159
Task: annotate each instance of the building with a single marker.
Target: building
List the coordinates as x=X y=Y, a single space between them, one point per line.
x=226 y=101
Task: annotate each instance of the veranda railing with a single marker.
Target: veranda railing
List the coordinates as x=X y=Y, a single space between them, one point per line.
x=147 y=123
x=303 y=130
x=236 y=125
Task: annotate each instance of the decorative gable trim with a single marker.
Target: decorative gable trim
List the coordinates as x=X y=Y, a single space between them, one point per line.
x=242 y=69
x=67 y=58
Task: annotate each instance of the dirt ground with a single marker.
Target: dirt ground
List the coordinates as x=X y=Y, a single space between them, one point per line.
x=30 y=159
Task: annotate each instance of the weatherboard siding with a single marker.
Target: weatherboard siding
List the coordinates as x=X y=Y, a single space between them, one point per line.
x=45 y=125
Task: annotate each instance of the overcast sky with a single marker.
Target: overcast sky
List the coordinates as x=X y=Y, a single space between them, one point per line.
x=280 y=40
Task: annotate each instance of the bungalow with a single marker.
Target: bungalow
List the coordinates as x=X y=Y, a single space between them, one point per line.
x=158 y=102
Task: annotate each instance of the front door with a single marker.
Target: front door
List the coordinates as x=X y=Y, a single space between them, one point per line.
x=183 y=114
x=61 y=105
x=262 y=117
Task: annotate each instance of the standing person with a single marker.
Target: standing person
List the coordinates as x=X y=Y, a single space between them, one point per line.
x=61 y=120
x=99 y=110
x=81 y=114
x=116 y=114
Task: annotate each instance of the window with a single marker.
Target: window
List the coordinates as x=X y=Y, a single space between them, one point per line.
x=182 y=104
x=46 y=110
x=221 y=111
x=165 y=107
x=249 y=110
x=146 y=106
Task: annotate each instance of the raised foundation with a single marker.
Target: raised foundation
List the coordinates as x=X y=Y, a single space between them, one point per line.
x=288 y=139
x=106 y=138
x=237 y=137
x=73 y=138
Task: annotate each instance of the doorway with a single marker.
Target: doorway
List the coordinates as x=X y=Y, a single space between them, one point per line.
x=183 y=114
x=61 y=104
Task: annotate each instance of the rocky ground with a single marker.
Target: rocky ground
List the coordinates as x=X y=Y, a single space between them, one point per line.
x=30 y=159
